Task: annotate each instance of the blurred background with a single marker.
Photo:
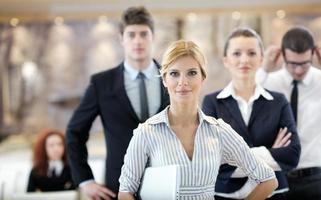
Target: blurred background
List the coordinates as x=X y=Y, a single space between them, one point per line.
x=49 y=49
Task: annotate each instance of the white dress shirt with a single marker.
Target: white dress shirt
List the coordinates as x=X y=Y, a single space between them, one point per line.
x=309 y=109
x=56 y=165
x=152 y=83
x=244 y=106
x=155 y=144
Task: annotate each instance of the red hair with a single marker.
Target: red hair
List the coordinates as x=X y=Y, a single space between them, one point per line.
x=40 y=157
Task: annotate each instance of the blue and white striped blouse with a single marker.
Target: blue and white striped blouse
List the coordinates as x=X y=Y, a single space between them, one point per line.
x=155 y=144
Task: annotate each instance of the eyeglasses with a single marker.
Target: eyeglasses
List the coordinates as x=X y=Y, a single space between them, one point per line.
x=294 y=65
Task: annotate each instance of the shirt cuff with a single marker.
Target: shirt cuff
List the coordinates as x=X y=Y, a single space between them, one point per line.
x=243 y=192
x=263 y=153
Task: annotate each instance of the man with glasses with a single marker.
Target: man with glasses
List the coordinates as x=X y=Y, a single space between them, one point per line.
x=300 y=82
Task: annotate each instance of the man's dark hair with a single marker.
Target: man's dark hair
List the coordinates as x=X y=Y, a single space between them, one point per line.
x=298 y=40
x=136 y=16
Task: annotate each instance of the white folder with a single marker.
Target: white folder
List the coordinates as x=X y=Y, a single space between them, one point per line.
x=160 y=183
x=61 y=195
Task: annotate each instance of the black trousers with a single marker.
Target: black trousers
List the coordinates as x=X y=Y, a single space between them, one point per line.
x=280 y=196
x=304 y=187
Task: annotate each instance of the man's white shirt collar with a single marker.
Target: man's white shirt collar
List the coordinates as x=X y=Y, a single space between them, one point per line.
x=58 y=165
x=307 y=80
x=133 y=72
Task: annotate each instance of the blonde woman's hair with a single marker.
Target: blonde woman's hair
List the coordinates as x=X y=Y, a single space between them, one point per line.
x=179 y=49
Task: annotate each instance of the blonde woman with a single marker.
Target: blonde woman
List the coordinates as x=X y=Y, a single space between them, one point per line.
x=182 y=135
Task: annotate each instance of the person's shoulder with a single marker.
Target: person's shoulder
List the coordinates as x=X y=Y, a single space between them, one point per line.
x=32 y=171
x=219 y=129
x=211 y=120
x=217 y=123
x=66 y=168
x=276 y=77
x=278 y=73
x=213 y=95
x=107 y=73
x=316 y=72
x=221 y=123
x=33 y=174
x=211 y=98
x=277 y=96
x=153 y=122
x=157 y=118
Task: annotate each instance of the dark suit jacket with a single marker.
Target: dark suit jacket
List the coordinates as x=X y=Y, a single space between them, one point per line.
x=266 y=119
x=48 y=184
x=105 y=97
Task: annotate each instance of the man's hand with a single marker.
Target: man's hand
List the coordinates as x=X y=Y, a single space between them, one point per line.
x=272 y=59
x=95 y=191
x=282 y=139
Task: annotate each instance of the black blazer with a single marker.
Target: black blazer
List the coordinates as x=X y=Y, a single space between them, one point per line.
x=266 y=119
x=105 y=97
x=48 y=184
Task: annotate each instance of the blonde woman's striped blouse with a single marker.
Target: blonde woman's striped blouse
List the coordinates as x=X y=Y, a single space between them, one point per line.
x=155 y=144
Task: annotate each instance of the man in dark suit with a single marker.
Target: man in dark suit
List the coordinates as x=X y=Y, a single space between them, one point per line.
x=123 y=97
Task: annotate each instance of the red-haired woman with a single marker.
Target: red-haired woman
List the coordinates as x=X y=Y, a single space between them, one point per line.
x=50 y=171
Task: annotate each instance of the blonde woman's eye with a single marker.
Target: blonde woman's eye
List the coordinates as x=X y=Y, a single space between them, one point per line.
x=252 y=53
x=173 y=74
x=192 y=73
x=236 y=53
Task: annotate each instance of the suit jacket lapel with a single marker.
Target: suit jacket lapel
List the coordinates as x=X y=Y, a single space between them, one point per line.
x=257 y=106
x=122 y=95
x=121 y=92
x=231 y=105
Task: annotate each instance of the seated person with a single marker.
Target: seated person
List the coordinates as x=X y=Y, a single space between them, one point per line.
x=50 y=170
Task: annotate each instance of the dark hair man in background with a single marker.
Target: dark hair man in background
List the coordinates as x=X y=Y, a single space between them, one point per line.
x=123 y=97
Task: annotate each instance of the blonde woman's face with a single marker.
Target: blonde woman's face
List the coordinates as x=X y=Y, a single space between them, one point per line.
x=243 y=57
x=183 y=80
x=54 y=147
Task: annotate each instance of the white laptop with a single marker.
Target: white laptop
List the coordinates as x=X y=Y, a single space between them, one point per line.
x=160 y=183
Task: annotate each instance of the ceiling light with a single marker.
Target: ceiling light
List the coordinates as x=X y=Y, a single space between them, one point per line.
x=236 y=15
x=14 y=22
